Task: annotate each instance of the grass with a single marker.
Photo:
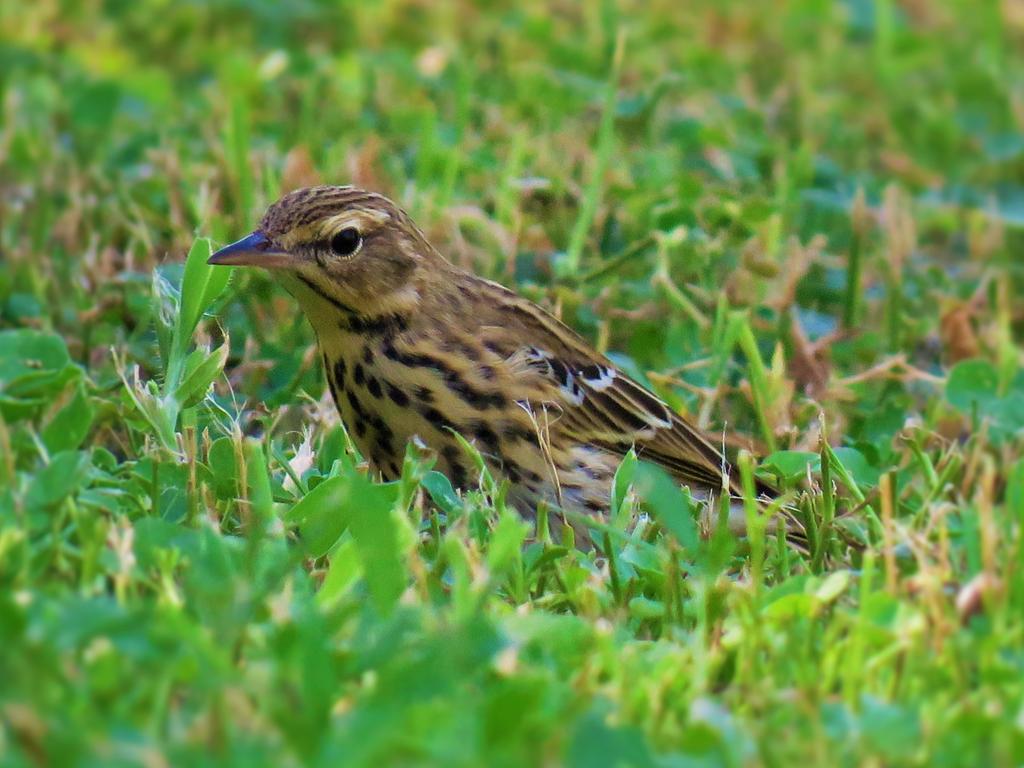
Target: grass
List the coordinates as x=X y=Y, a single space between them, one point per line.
x=800 y=223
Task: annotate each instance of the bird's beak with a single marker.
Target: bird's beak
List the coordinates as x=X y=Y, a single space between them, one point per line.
x=253 y=250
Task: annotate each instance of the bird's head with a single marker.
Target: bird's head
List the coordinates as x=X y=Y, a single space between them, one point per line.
x=339 y=246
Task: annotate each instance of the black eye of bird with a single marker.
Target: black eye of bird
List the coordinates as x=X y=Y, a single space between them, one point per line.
x=346 y=242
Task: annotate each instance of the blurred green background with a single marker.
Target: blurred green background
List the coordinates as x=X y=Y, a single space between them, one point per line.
x=798 y=222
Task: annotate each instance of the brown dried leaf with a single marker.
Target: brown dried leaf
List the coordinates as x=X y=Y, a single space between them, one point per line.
x=362 y=166
x=956 y=330
x=970 y=600
x=809 y=365
x=298 y=170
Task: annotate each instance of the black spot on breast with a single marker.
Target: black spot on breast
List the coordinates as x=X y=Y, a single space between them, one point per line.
x=397 y=396
x=451 y=453
x=380 y=325
x=453 y=380
x=486 y=372
x=486 y=435
x=479 y=399
x=359 y=375
x=514 y=433
x=424 y=395
x=382 y=428
x=334 y=391
x=374 y=386
x=357 y=407
x=339 y=372
x=453 y=456
x=367 y=355
x=468 y=351
x=437 y=419
x=418 y=360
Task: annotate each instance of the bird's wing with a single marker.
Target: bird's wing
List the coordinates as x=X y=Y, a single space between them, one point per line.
x=602 y=406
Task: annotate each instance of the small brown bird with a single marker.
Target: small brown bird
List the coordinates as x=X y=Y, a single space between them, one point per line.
x=415 y=347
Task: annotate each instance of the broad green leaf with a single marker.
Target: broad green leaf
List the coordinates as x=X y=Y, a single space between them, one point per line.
x=833 y=586
x=224 y=468
x=624 y=476
x=663 y=497
x=506 y=541
x=891 y=730
x=593 y=742
x=28 y=353
x=857 y=465
x=790 y=465
x=441 y=492
x=790 y=607
x=971 y=384
x=69 y=426
x=342 y=573
x=352 y=501
x=375 y=526
x=973 y=388
x=461 y=576
x=201 y=368
x=34 y=366
x=645 y=608
x=57 y=480
x=1007 y=414
x=200 y=287
x=260 y=496
x=321 y=515
x=153 y=534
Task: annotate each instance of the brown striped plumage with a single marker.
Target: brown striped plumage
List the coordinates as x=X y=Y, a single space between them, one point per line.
x=414 y=347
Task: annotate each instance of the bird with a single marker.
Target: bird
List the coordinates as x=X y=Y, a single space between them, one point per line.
x=415 y=348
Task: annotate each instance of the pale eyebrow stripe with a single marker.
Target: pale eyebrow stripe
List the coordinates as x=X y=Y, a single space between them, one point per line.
x=353 y=219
